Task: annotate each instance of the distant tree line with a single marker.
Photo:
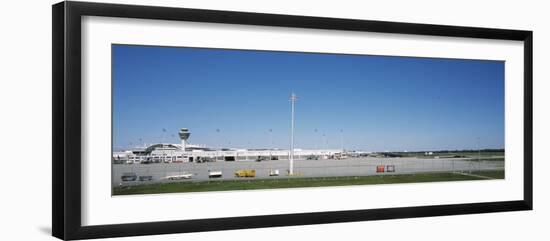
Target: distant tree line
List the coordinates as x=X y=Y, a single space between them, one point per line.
x=472 y=150
x=401 y=154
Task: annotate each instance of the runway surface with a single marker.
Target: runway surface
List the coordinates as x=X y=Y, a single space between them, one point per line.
x=303 y=168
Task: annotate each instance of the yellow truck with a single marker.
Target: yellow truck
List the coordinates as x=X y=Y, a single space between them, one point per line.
x=245 y=173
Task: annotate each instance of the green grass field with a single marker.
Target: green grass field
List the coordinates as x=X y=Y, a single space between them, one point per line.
x=491 y=174
x=252 y=184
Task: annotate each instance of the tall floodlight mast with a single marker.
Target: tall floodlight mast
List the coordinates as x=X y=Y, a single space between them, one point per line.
x=270 y=139
x=293 y=99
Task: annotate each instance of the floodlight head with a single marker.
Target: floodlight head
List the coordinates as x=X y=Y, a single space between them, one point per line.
x=293 y=97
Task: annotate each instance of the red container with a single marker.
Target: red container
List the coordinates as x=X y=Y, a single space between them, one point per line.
x=380 y=168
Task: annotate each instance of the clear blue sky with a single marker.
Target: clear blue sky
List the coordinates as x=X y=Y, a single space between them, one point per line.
x=381 y=103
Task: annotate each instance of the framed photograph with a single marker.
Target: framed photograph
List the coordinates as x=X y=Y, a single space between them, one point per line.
x=172 y=120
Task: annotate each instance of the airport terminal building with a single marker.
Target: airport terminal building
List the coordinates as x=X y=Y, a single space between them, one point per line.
x=173 y=153
x=184 y=152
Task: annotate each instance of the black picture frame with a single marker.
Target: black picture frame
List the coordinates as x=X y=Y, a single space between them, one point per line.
x=66 y=75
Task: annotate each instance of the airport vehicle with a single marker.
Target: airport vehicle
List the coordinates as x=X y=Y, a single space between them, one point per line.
x=214 y=174
x=245 y=173
x=274 y=173
x=390 y=168
x=179 y=176
x=340 y=156
x=128 y=177
x=204 y=159
x=312 y=157
x=145 y=178
x=261 y=158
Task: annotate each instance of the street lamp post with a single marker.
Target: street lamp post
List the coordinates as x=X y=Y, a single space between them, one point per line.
x=270 y=138
x=342 y=139
x=315 y=138
x=219 y=139
x=478 y=153
x=325 y=141
x=162 y=139
x=270 y=143
x=478 y=150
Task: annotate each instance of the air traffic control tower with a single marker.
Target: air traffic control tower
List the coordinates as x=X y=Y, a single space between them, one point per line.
x=184 y=135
